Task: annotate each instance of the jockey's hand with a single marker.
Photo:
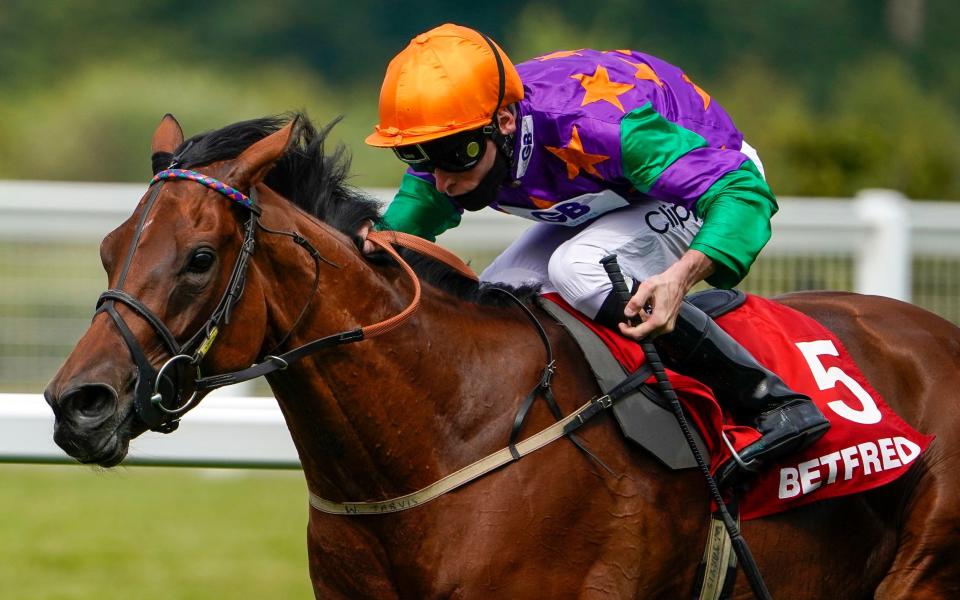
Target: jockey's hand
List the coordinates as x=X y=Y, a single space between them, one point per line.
x=368 y=246
x=653 y=310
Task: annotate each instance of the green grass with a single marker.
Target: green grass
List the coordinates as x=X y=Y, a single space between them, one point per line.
x=77 y=533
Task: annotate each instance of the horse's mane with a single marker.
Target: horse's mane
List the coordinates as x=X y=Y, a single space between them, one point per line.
x=316 y=181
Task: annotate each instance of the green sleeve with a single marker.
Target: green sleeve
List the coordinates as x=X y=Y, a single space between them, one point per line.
x=736 y=208
x=650 y=143
x=736 y=212
x=419 y=209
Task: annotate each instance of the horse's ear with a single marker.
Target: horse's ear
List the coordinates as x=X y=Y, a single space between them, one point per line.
x=168 y=135
x=256 y=161
x=166 y=139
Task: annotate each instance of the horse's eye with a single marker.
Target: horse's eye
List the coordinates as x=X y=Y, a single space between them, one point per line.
x=201 y=260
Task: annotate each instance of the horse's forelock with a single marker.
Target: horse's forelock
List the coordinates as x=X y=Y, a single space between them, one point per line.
x=160 y=161
x=307 y=175
x=227 y=142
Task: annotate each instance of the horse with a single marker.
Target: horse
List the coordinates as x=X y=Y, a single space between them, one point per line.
x=384 y=416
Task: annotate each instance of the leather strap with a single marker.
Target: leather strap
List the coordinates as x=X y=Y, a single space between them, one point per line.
x=458 y=478
x=138 y=307
x=154 y=193
x=422 y=246
x=562 y=428
x=278 y=363
x=384 y=239
x=543 y=388
x=717 y=571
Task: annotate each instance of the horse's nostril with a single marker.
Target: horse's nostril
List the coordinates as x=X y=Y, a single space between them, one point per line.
x=90 y=401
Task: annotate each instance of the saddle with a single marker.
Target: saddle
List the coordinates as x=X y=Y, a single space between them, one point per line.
x=644 y=416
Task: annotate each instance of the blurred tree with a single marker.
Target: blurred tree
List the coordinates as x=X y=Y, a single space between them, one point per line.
x=906 y=20
x=837 y=94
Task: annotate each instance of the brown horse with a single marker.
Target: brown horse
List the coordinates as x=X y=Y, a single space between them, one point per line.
x=386 y=416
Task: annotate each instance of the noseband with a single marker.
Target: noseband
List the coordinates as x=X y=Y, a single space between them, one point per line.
x=158 y=393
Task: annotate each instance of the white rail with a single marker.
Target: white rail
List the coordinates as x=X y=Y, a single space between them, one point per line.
x=223 y=431
x=880 y=229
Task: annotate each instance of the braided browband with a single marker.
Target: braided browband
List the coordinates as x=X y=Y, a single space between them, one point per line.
x=214 y=184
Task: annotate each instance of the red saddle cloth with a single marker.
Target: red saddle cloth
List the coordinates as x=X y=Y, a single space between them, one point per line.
x=867 y=445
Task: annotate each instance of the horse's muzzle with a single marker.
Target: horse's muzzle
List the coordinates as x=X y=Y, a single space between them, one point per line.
x=88 y=425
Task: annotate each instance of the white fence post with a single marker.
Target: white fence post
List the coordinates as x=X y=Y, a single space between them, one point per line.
x=883 y=260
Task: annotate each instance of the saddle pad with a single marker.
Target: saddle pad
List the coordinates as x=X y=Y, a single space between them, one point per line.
x=867 y=445
x=648 y=424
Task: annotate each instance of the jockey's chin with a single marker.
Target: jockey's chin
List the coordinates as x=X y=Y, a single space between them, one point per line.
x=478 y=187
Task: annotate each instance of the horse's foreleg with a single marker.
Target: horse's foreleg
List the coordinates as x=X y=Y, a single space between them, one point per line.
x=346 y=562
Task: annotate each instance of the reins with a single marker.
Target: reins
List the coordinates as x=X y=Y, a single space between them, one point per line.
x=150 y=403
x=169 y=417
x=385 y=240
x=157 y=395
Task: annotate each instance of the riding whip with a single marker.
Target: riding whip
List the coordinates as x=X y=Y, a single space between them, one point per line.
x=739 y=544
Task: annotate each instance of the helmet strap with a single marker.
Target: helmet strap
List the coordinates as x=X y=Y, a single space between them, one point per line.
x=501 y=77
x=503 y=142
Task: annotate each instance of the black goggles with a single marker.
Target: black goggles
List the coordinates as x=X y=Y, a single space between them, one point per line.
x=455 y=153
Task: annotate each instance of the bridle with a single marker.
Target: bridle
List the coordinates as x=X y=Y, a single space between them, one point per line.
x=158 y=395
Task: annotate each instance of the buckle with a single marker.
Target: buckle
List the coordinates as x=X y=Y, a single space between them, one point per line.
x=277 y=360
x=547 y=375
x=605 y=401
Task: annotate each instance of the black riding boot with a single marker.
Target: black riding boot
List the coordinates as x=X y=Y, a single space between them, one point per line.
x=699 y=348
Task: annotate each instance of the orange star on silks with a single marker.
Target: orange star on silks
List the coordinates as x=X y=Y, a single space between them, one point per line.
x=541 y=203
x=645 y=72
x=575 y=158
x=703 y=94
x=599 y=87
x=560 y=54
x=627 y=52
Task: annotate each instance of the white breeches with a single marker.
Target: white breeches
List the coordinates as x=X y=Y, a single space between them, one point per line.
x=647 y=238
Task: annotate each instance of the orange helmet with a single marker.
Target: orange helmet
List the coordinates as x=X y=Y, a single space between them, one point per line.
x=447 y=80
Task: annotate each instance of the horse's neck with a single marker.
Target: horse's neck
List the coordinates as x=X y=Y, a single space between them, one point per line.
x=385 y=415
x=390 y=414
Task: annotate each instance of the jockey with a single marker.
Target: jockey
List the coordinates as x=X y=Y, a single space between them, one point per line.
x=609 y=152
